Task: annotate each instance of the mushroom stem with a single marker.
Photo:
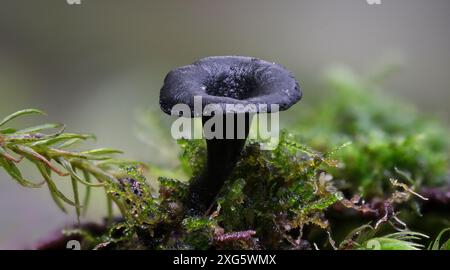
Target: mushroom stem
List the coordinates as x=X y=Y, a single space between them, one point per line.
x=222 y=156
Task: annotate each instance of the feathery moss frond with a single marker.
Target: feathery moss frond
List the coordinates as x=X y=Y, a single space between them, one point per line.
x=48 y=152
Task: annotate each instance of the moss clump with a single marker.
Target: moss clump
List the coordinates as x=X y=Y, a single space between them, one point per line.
x=269 y=199
x=277 y=193
x=387 y=137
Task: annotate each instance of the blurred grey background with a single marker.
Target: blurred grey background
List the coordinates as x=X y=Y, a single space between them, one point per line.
x=94 y=66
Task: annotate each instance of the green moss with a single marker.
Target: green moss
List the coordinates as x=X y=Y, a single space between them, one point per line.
x=385 y=133
x=199 y=232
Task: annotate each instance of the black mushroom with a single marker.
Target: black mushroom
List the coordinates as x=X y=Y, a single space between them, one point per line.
x=221 y=81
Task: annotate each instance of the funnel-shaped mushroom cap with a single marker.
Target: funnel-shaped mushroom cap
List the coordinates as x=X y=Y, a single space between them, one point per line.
x=225 y=80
